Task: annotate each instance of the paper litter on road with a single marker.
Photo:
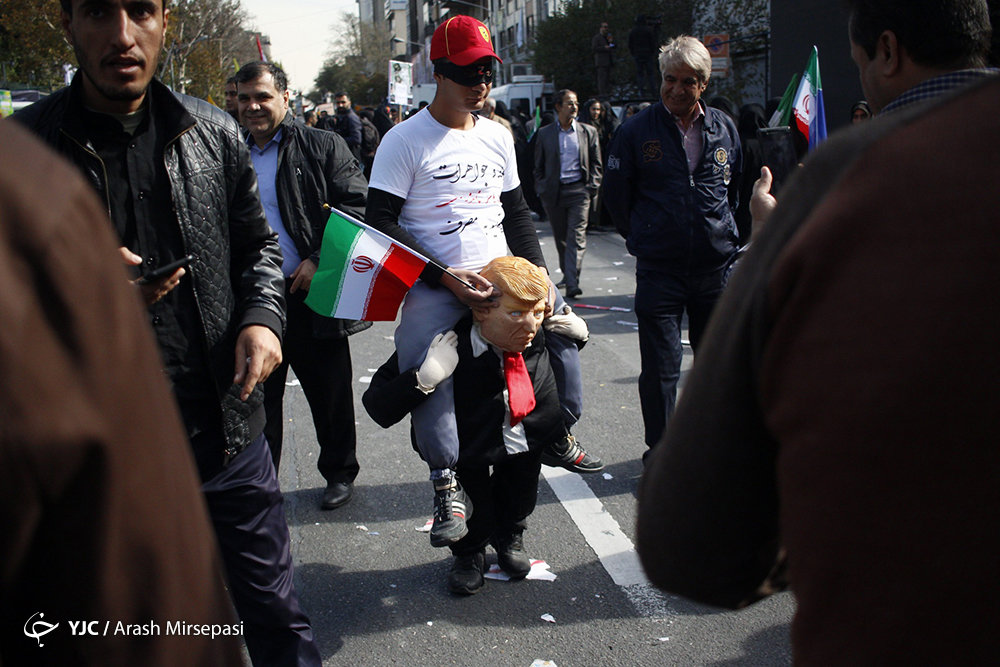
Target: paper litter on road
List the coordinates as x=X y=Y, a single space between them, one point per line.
x=543 y=663
x=608 y=475
x=617 y=263
x=360 y=527
x=539 y=572
x=634 y=325
x=612 y=278
x=548 y=618
x=426 y=528
x=365 y=379
x=292 y=383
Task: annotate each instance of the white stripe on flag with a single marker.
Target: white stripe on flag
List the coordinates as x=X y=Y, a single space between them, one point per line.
x=369 y=252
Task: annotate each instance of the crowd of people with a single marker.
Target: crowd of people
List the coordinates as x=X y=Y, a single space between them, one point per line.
x=823 y=439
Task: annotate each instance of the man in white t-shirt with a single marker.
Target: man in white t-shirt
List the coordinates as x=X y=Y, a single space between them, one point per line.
x=445 y=183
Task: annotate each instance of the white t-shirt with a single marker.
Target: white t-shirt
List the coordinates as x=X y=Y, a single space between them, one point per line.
x=451 y=181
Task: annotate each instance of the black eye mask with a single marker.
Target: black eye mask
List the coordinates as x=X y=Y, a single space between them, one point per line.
x=469 y=75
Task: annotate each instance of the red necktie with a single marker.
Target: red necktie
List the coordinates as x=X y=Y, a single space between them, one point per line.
x=520 y=393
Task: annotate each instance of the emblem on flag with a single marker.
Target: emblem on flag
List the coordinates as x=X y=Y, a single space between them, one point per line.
x=363 y=274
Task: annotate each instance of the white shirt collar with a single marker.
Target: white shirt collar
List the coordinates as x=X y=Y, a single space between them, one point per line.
x=479 y=344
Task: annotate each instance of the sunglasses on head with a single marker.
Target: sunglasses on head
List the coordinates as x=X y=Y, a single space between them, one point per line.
x=467 y=75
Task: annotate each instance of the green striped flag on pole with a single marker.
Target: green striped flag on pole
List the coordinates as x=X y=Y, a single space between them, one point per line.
x=363 y=274
x=783 y=114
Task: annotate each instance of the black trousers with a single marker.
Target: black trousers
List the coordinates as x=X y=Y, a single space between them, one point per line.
x=247 y=512
x=501 y=501
x=323 y=367
x=661 y=300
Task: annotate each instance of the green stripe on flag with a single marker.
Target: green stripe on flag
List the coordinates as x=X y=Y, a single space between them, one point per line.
x=339 y=239
x=783 y=114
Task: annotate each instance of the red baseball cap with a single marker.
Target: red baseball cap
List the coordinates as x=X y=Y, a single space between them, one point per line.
x=462 y=40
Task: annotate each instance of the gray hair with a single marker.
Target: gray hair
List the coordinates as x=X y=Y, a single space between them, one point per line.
x=687 y=50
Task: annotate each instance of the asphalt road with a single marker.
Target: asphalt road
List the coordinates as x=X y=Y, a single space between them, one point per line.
x=376 y=590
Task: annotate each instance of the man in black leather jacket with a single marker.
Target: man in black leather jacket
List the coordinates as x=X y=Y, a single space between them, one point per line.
x=177 y=181
x=300 y=169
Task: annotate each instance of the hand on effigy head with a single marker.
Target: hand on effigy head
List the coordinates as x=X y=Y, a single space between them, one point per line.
x=440 y=362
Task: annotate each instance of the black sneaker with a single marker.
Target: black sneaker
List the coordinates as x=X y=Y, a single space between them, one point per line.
x=451 y=509
x=510 y=555
x=568 y=453
x=466 y=576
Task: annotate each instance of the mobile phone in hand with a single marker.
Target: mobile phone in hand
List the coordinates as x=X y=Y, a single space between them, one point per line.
x=778 y=147
x=162 y=272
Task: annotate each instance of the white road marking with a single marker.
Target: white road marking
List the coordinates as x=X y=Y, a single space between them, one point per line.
x=614 y=549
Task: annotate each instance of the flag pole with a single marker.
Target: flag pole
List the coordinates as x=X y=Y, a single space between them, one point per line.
x=443 y=269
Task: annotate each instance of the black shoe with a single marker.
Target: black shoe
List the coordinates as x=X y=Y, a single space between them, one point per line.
x=568 y=453
x=336 y=494
x=573 y=292
x=466 y=576
x=451 y=509
x=510 y=555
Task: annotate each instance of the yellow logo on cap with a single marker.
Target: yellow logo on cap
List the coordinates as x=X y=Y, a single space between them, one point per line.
x=485 y=33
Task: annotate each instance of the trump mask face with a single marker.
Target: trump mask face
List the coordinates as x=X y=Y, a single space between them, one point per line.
x=512 y=325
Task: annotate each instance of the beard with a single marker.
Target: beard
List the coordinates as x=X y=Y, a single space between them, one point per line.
x=110 y=87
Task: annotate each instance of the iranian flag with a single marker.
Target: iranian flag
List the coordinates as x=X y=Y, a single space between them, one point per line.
x=810 y=116
x=363 y=274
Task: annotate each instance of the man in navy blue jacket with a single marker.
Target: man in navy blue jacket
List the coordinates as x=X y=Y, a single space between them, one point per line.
x=671 y=187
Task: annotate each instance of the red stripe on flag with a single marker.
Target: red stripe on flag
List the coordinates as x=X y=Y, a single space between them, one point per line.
x=399 y=271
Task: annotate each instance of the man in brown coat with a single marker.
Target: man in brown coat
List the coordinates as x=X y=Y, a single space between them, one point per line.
x=100 y=508
x=842 y=408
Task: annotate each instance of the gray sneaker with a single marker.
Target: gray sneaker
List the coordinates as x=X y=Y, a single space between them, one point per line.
x=569 y=453
x=451 y=509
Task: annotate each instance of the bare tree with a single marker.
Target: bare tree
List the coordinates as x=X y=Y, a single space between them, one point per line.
x=358 y=61
x=206 y=41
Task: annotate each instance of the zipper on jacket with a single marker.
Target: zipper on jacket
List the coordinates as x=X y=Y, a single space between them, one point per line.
x=107 y=187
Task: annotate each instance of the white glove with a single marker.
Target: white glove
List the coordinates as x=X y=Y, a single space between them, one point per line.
x=569 y=324
x=440 y=362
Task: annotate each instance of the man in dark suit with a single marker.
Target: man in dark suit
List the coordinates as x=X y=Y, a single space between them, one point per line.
x=603 y=46
x=567 y=175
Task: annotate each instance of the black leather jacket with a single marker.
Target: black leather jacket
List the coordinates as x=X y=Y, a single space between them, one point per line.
x=316 y=167
x=236 y=273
